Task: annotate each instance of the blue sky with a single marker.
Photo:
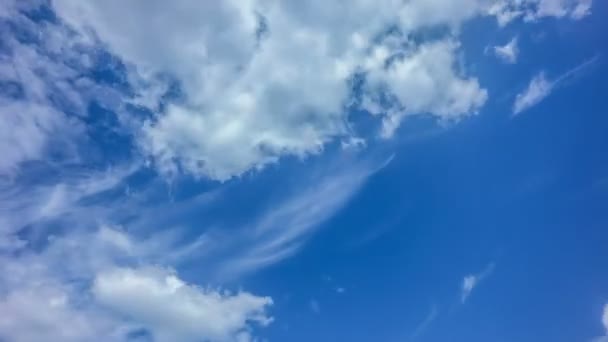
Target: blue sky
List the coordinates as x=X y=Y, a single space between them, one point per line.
x=245 y=171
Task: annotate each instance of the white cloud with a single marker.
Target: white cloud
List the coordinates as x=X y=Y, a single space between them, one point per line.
x=471 y=281
x=176 y=311
x=582 y=9
x=38 y=204
x=468 y=283
x=46 y=312
x=258 y=91
x=279 y=232
x=423 y=82
x=48 y=296
x=46 y=90
x=532 y=10
x=540 y=87
x=576 y=9
x=603 y=338
x=507 y=53
x=537 y=90
x=605 y=318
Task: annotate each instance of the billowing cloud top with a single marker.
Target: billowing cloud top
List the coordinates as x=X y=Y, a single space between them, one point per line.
x=261 y=79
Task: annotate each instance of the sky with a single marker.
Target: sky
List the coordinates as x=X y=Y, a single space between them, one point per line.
x=278 y=170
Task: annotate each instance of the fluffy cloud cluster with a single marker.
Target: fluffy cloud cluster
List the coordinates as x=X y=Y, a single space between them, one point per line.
x=176 y=311
x=532 y=10
x=263 y=79
x=238 y=84
x=48 y=297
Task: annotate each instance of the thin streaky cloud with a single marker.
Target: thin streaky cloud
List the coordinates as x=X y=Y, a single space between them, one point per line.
x=577 y=69
x=540 y=87
x=426 y=323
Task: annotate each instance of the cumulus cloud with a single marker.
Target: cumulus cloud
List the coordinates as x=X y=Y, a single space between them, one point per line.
x=276 y=80
x=47 y=312
x=422 y=82
x=176 y=311
x=48 y=296
x=507 y=53
x=471 y=281
x=540 y=87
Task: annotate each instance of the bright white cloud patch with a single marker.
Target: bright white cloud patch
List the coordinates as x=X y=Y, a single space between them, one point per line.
x=537 y=90
x=45 y=313
x=507 y=53
x=46 y=297
x=424 y=81
x=604 y=338
x=533 y=10
x=605 y=317
x=176 y=311
x=275 y=80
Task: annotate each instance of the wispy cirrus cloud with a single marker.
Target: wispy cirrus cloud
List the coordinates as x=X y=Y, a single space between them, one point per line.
x=426 y=323
x=540 y=87
x=282 y=230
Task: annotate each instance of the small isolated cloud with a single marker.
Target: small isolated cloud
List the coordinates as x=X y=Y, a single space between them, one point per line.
x=470 y=282
x=507 y=53
x=537 y=90
x=540 y=87
x=604 y=338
